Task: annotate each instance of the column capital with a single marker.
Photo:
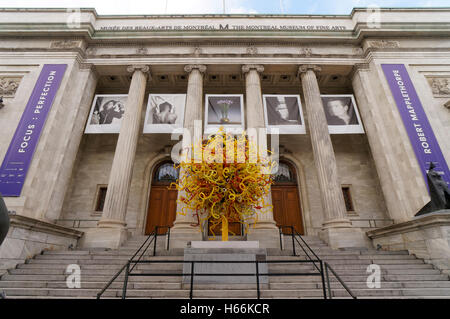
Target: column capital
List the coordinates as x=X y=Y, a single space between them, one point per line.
x=89 y=67
x=359 y=67
x=141 y=67
x=306 y=67
x=189 y=67
x=247 y=67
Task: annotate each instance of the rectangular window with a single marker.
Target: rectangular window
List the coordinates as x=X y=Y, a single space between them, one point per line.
x=348 y=199
x=100 y=201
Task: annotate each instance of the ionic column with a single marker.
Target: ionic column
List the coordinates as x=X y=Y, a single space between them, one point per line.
x=183 y=229
x=254 y=104
x=111 y=227
x=325 y=161
x=330 y=189
x=265 y=230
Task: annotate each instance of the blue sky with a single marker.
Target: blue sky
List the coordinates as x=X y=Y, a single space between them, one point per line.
x=216 y=6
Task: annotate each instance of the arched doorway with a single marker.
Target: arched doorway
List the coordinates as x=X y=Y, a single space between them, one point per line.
x=285 y=198
x=162 y=205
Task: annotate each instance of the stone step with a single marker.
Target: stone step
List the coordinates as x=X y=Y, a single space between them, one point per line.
x=345 y=270
x=118 y=254
x=394 y=292
x=362 y=285
x=88 y=278
x=361 y=272
x=278 y=286
x=356 y=261
x=146 y=267
x=363 y=278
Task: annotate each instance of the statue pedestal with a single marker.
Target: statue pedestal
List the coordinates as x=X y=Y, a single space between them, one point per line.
x=225 y=251
x=426 y=236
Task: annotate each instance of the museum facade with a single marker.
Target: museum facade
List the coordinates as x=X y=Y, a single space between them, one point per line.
x=90 y=104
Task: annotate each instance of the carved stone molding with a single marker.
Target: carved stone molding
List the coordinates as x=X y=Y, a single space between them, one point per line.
x=65 y=44
x=141 y=67
x=91 y=51
x=9 y=86
x=252 y=50
x=440 y=86
x=384 y=44
x=305 y=67
x=188 y=68
x=141 y=51
x=197 y=51
x=307 y=52
x=89 y=66
x=358 y=51
x=447 y=105
x=359 y=67
x=247 y=67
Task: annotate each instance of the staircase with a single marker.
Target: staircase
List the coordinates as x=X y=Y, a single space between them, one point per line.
x=402 y=275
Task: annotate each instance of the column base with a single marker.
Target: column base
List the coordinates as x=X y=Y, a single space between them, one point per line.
x=267 y=237
x=344 y=238
x=111 y=223
x=102 y=237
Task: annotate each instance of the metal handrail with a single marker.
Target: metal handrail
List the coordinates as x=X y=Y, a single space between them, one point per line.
x=151 y=238
x=192 y=273
x=327 y=266
x=324 y=266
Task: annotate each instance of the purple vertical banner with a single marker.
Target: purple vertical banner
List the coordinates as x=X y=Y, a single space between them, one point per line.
x=20 y=152
x=415 y=121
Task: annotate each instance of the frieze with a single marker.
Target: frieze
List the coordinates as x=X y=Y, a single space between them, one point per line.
x=307 y=52
x=65 y=44
x=252 y=50
x=142 y=51
x=197 y=51
x=384 y=44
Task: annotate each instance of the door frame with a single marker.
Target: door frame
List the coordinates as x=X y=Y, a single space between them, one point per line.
x=147 y=178
x=151 y=183
x=300 y=177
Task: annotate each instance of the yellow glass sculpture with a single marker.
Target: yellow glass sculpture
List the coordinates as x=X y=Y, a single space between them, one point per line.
x=229 y=183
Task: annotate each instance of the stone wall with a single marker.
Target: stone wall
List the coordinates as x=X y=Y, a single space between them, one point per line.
x=355 y=167
x=28 y=237
x=426 y=236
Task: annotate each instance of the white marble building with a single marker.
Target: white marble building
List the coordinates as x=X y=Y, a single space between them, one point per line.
x=96 y=190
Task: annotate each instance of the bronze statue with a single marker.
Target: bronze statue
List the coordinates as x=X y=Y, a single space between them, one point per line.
x=439 y=193
x=4 y=220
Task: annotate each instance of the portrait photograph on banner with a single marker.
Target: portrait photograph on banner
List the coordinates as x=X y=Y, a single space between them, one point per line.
x=284 y=112
x=224 y=110
x=106 y=114
x=342 y=114
x=165 y=112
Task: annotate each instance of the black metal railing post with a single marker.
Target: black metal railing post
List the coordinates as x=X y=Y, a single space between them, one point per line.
x=281 y=238
x=168 y=239
x=156 y=238
x=192 y=280
x=323 y=280
x=258 y=293
x=328 y=281
x=125 y=282
x=293 y=243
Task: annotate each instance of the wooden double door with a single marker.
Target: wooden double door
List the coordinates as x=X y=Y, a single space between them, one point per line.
x=162 y=204
x=162 y=208
x=286 y=207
